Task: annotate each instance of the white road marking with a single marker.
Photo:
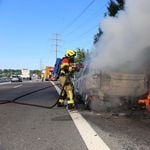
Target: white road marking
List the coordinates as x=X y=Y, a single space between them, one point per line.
x=17 y=86
x=3 y=83
x=92 y=140
x=56 y=87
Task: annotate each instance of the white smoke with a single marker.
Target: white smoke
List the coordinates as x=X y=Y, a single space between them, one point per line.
x=125 y=42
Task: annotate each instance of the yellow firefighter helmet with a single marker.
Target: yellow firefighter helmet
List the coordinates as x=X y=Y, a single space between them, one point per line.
x=70 y=53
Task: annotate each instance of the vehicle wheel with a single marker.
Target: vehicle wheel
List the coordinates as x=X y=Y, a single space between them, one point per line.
x=78 y=101
x=87 y=103
x=95 y=104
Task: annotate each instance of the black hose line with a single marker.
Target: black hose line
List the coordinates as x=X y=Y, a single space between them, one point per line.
x=4 y=102
x=10 y=101
x=47 y=107
x=28 y=104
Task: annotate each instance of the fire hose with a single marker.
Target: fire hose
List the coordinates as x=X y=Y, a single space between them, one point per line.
x=28 y=104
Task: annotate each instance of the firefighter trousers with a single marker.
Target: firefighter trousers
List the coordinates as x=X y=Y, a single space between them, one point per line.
x=68 y=89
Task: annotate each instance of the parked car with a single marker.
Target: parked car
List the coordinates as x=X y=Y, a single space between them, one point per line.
x=107 y=91
x=16 y=78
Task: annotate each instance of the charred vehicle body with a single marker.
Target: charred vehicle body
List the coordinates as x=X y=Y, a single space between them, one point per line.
x=108 y=91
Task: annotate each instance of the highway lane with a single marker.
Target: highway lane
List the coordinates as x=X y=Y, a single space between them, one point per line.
x=11 y=90
x=32 y=128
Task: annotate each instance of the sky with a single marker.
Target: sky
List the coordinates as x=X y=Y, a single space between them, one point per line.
x=28 y=30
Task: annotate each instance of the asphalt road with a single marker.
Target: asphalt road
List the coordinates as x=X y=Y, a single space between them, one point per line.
x=31 y=128
x=122 y=132
x=24 y=127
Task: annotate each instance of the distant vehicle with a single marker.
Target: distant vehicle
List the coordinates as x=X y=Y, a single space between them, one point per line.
x=16 y=78
x=102 y=91
x=34 y=77
x=25 y=74
x=48 y=73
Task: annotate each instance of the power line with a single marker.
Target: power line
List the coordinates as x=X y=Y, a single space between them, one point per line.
x=90 y=29
x=79 y=15
x=69 y=34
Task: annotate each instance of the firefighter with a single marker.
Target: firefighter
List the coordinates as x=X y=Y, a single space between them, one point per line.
x=42 y=77
x=66 y=68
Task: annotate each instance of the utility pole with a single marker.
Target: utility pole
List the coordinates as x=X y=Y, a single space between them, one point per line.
x=56 y=39
x=41 y=65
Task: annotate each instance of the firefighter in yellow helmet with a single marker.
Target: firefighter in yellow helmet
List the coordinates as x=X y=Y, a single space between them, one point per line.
x=66 y=68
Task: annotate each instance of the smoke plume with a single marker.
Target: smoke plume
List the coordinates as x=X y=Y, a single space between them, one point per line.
x=125 y=43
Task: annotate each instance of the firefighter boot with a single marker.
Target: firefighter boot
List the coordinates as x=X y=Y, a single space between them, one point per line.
x=70 y=102
x=60 y=103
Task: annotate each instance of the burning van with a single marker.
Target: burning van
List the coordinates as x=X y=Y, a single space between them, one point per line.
x=106 y=91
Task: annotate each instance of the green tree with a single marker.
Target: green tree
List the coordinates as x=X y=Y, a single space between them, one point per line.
x=38 y=72
x=80 y=55
x=113 y=8
x=98 y=35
